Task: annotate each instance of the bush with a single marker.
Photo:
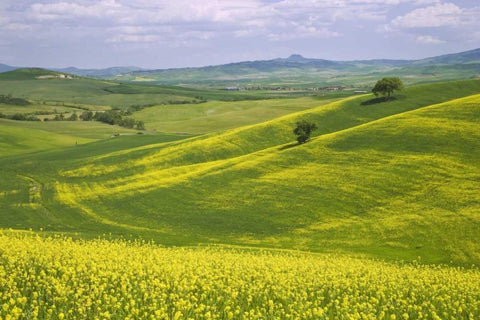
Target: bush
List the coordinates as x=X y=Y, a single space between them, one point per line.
x=303 y=130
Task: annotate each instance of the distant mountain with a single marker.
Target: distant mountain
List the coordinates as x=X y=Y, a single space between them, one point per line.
x=5 y=68
x=299 y=71
x=472 y=56
x=97 y=73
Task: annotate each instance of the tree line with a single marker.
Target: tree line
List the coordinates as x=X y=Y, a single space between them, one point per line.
x=112 y=117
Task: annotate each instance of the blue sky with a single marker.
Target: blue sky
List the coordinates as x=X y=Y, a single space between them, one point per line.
x=180 y=33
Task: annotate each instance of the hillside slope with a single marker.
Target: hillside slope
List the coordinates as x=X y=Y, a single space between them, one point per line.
x=16 y=138
x=390 y=179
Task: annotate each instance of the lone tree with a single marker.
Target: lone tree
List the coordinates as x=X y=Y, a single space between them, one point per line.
x=387 y=86
x=303 y=130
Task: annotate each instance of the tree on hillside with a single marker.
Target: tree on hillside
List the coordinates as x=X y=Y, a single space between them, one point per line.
x=387 y=86
x=73 y=117
x=303 y=130
x=87 y=116
x=140 y=125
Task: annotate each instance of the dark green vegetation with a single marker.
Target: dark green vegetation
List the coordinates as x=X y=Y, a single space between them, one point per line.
x=391 y=179
x=303 y=130
x=387 y=86
x=8 y=99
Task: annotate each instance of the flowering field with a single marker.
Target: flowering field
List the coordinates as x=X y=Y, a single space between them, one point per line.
x=59 y=278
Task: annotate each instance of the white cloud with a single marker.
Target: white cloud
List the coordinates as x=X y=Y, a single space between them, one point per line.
x=69 y=10
x=424 y=2
x=134 y=38
x=301 y=32
x=425 y=39
x=312 y=18
x=17 y=27
x=189 y=20
x=446 y=14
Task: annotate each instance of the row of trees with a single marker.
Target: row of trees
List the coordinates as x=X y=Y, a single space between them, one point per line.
x=110 y=117
x=113 y=117
x=9 y=99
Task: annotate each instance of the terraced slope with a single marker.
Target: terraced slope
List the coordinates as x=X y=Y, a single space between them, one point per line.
x=393 y=179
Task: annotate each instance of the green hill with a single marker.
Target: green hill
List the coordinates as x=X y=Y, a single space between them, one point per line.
x=18 y=139
x=27 y=74
x=297 y=71
x=393 y=179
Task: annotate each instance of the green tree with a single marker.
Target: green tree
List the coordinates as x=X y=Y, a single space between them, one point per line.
x=140 y=125
x=73 y=117
x=127 y=122
x=387 y=86
x=303 y=130
x=87 y=116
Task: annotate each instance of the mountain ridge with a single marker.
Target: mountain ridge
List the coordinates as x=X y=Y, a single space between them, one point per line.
x=464 y=56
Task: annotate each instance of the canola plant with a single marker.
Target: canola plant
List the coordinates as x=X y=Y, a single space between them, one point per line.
x=59 y=278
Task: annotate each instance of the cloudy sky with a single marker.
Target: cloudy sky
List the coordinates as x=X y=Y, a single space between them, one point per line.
x=178 y=33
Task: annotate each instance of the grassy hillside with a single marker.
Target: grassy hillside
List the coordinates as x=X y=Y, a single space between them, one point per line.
x=389 y=179
x=220 y=115
x=85 y=92
x=19 y=139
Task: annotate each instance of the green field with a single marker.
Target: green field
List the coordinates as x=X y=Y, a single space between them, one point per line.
x=392 y=180
x=94 y=94
x=215 y=212
x=221 y=115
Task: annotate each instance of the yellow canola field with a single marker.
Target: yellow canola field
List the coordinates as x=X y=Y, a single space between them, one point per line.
x=61 y=278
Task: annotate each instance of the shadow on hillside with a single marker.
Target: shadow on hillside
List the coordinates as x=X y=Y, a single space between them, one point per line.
x=288 y=146
x=378 y=100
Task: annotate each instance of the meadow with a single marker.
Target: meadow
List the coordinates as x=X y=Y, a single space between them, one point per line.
x=58 y=278
x=222 y=115
x=215 y=212
x=368 y=184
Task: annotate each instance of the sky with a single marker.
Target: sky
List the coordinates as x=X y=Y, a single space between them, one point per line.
x=190 y=33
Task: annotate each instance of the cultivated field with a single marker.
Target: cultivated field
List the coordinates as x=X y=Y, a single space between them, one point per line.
x=57 y=278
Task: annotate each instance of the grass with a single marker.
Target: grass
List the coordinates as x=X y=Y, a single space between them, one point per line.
x=219 y=115
x=16 y=138
x=97 y=94
x=37 y=109
x=27 y=136
x=394 y=180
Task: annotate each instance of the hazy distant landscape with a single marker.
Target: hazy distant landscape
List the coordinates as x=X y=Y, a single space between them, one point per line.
x=331 y=184
x=297 y=72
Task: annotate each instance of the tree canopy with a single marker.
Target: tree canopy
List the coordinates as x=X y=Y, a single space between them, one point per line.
x=303 y=130
x=387 y=86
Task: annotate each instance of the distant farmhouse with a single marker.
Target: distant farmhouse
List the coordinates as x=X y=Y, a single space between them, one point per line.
x=55 y=76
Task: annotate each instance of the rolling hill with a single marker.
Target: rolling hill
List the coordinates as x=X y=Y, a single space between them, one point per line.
x=387 y=179
x=297 y=71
